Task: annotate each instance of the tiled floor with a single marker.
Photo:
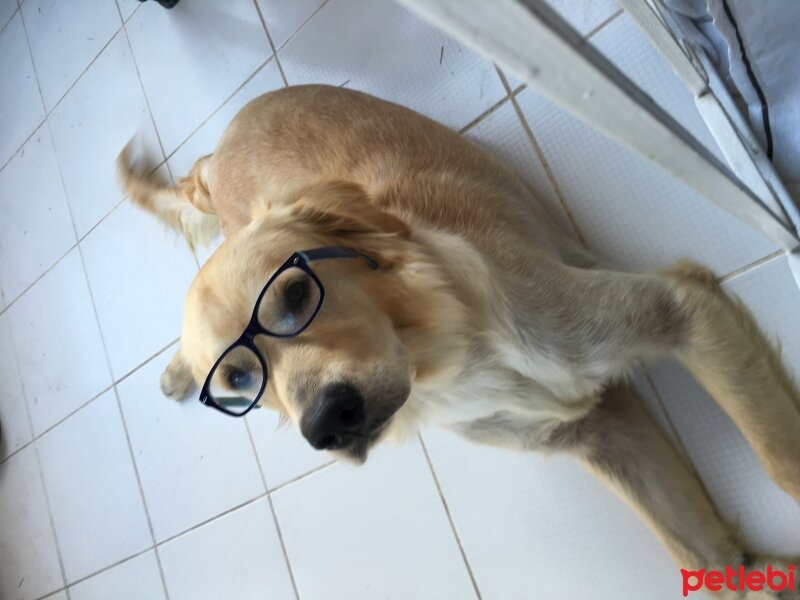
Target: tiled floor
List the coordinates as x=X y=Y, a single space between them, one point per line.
x=109 y=491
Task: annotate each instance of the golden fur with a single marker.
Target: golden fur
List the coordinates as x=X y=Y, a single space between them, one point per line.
x=484 y=317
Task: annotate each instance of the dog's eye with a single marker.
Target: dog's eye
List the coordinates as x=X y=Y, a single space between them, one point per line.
x=296 y=293
x=239 y=380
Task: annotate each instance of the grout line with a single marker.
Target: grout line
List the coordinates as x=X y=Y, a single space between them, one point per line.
x=503 y=80
x=119 y=11
x=305 y=475
x=35 y=281
x=449 y=516
x=116 y=394
x=204 y=522
x=670 y=423
x=16 y=354
x=272 y=510
x=146 y=361
x=484 y=115
x=11 y=18
x=121 y=414
x=98 y=572
x=144 y=91
x=599 y=27
x=50 y=516
x=271 y=43
x=678 y=442
x=38 y=87
x=283 y=546
x=97 y=319
x=749 y=267
x=16 y=451
x=74 y=83
x=215 y=111
x=75 y=245
x=244 y=504
x=171 y=538
x=83 y=405
x=71 y=413
x=38 y=458
x=550 y=174
x=141 y=488
x=79 y=77
x=303 y=24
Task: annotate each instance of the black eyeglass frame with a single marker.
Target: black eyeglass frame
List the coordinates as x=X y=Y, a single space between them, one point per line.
x=298 y=260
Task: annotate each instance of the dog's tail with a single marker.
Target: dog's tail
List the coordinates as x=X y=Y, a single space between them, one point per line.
x=186 y=208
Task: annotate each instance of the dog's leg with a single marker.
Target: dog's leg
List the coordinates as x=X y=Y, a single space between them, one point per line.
x=743 y=371
x=684 y=314
x=622 y=446
x=176 y=378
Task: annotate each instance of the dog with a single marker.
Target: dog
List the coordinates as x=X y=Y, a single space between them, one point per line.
x=450 y=298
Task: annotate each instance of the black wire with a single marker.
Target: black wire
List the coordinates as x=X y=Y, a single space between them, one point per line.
x=748 y=67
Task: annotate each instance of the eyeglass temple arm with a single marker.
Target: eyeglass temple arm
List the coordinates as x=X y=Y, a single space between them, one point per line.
x=336 y=252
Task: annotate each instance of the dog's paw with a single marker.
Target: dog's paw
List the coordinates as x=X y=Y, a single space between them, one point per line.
x=175 y=386
x=176 y=379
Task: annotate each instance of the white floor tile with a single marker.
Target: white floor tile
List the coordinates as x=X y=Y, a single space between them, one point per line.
x=630 y=211
x=282 y=451
x=205 y=139
x=139 y=274
x=378 y=47
x=285 y=18
x=65 y=37
x=135 y=579
x=768 y=517
x=60 y=351
x=90 y=126
x=21 y=109
x=62 y=595
x=534 y=527
x=7 y=10
x=94 y=498
x=36 y=228
x=236 y=556
x=29 y=558
x=192 y=57
x=384 y=521
x=126 y=7
x=502 y=134
x=194 y=462
x=16 y=429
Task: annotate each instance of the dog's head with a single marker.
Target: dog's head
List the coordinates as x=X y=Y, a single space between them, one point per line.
x=342 y=379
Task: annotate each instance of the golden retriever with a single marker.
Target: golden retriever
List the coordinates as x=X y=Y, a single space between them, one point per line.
x=452 y=298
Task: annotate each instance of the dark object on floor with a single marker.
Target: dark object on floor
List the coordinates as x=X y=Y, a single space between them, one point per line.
x=165 y=3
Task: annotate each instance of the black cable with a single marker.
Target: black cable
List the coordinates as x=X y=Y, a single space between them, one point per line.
x=748 y=67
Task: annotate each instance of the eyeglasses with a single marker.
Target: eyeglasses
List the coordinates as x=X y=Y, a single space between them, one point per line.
x=285 y=307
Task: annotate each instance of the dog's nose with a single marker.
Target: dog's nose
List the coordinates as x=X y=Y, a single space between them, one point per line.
x=335 y=419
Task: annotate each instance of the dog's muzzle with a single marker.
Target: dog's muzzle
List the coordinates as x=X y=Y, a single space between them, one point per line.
x=336 y=418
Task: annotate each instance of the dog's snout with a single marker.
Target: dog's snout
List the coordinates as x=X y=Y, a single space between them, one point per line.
x=335 y=419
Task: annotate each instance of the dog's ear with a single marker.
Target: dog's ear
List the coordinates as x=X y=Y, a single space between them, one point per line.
x=344 y=209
